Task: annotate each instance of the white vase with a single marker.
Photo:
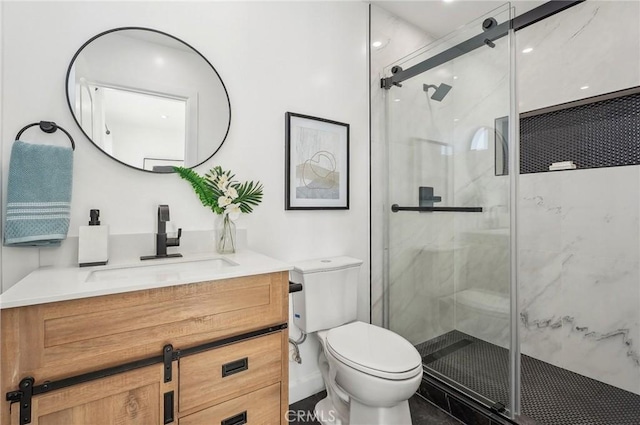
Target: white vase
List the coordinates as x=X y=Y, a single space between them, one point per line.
x=225 y=235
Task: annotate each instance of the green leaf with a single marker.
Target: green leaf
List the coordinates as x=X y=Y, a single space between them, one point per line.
x=206 y=188
x=249 y=194
x=199 y=184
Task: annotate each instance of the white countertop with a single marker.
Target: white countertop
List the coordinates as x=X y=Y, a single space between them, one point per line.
x=51 y=284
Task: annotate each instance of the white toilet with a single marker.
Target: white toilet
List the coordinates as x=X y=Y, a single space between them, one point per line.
x=369 y=372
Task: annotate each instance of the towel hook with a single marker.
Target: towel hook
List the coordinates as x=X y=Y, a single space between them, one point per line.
x=48 y=127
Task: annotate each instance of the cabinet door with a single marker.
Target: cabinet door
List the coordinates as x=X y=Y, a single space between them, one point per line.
x=135 y=397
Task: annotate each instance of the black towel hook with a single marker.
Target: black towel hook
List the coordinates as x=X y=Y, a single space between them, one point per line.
x=48 y=127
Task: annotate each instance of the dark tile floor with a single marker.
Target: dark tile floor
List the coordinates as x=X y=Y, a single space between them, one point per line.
x=550 y=395
x=422 y=412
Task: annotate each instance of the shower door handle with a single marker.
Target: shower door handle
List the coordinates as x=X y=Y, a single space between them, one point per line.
x=396 y=208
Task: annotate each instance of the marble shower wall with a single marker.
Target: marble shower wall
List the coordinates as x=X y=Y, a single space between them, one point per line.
x=578 y=230
x=580 y=277
x=579 y=259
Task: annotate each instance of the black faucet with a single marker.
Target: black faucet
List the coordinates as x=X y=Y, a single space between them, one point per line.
x=162 y=241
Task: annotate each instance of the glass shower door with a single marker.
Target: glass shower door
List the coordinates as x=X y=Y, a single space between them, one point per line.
x=448 y=272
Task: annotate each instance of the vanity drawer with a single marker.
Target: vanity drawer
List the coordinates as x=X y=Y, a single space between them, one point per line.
x=228 y=372
x=259 y=407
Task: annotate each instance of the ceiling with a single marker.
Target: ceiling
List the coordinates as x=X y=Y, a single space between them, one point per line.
x=439 y=18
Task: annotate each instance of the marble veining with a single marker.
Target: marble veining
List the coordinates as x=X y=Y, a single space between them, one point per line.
x=539 y=201
x=586 y=24
x=559 y=322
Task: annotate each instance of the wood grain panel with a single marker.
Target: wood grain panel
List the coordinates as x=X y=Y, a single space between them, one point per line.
x=284 y=379
x=170 y=332
x=201 y=380
x=134 y=397
x=262 y=408
x=221 y=299
x=136 y=406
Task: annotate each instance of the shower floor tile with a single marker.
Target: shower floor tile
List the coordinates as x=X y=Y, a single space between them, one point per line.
x=550 y=395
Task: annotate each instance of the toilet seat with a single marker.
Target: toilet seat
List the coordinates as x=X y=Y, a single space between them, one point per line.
x=374 y=350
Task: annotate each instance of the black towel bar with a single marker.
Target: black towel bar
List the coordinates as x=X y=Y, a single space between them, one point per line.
x=48 y=127
x=396 y=208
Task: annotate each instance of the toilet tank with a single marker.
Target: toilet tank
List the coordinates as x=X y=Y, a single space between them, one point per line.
x=329 y=295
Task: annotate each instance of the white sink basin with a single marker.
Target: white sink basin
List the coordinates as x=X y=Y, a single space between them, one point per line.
x=156 y=270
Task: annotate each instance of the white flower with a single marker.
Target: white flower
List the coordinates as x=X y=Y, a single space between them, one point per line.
x=223 y=182
x=233 y=210
x=231 y=192
x=223 y=201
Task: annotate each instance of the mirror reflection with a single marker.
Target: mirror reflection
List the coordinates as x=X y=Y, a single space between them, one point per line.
x=147 y=99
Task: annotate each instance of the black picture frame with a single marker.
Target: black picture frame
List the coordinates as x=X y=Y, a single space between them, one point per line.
x=316 y=163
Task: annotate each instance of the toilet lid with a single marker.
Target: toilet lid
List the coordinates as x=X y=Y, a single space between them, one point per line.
x=374 y=350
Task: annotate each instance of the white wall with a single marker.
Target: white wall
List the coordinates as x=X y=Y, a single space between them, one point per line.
x=305 y=57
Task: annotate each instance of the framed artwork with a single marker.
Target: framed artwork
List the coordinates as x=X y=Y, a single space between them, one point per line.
x=161 y=165
x=317 y=163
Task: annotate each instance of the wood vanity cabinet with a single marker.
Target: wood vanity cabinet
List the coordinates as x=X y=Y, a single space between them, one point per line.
x=230 y=349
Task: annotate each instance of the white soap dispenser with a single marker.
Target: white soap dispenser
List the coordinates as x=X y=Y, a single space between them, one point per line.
x=93 y=242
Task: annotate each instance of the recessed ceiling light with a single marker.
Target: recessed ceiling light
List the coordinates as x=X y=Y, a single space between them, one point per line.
x=396 y=100
x=456 y=120
x=584 y=87
x=528 y=50
x=447 y=1
x=455 y=77
x=376 y=43
x=164 y=117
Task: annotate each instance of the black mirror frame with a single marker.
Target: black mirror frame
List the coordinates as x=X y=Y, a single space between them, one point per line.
x=66 y=87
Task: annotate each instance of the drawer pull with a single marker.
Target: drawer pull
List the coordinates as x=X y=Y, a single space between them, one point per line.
x=235 y=367
x=238 y=419
x=168 y=407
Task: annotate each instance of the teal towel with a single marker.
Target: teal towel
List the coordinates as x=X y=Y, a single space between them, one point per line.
x=38 y=195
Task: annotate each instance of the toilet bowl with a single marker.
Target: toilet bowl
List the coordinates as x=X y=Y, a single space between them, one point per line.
x=369 y=372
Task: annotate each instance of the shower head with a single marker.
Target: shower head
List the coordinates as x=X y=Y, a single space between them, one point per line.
x=441 y=91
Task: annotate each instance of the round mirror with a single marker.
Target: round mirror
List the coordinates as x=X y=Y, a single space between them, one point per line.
x=148 y=99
